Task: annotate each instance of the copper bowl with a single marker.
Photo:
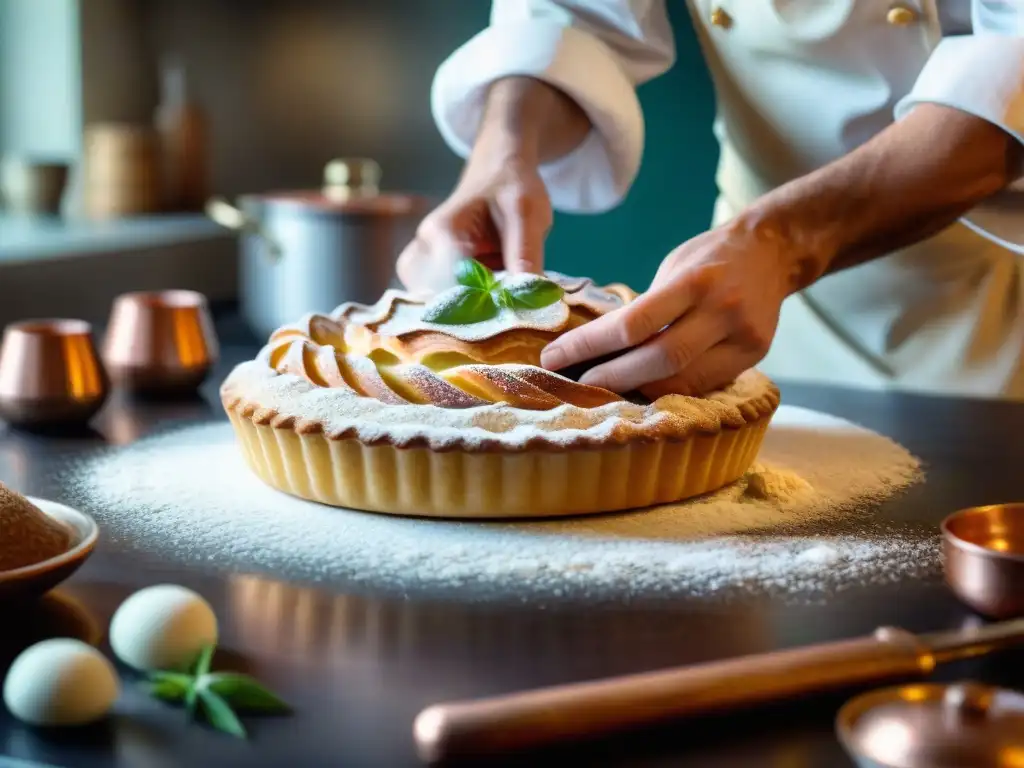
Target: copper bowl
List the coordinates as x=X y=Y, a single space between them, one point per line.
x=160 y=343
x=983 y=548
x=934 y=726
x=50 y=374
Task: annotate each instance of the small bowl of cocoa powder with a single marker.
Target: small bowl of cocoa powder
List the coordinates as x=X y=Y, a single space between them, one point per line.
x=41 y=543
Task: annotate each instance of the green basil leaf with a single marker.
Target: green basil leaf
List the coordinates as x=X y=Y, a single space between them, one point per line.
x=472 y=274
x=534 y=294
x=461 y=306
x=242 y=692
x=202 y=663
x=219 y=714
x=502 y=297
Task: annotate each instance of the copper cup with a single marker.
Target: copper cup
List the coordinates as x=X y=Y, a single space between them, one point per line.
x=50 y=374
x=160 y=343
x=983 y=548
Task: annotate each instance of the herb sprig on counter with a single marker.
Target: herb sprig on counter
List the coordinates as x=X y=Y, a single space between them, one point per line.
x=215 y=695
x=479 y=295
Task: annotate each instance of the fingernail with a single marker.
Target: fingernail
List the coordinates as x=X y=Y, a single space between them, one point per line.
x=552 y=358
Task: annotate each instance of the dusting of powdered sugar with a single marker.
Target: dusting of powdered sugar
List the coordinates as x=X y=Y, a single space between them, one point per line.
x=803 y=521
x=370 y=419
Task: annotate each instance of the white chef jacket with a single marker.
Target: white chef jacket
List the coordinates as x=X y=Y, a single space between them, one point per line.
x=798 y=84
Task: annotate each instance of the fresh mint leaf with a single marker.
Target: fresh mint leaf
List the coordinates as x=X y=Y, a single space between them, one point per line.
x=219 y=714
x=191 y=699
x=175 y=678
x=472 y=274
x=533 y=294
x=242 y=692
x=168 y=689
x=461 y=305
x=201 y=665
x=214 y=693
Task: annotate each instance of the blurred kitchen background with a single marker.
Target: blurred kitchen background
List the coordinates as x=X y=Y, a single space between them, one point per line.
x=275 y=89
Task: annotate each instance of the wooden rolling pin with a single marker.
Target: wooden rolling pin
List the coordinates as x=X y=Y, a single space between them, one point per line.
x=504 y=724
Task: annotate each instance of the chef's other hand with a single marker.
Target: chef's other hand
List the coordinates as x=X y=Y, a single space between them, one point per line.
x=710 y=313
x=499 y=213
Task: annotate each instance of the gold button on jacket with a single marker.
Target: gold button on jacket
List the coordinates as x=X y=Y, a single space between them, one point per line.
x=721 y=18
x=900 y=16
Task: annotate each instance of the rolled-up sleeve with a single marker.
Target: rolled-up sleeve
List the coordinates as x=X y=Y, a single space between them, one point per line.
x=597 y=53
x=983 y=74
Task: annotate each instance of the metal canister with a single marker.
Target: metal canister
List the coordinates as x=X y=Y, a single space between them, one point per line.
x=311 y=250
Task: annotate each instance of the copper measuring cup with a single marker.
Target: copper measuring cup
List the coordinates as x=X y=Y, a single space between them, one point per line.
x=983 y=551
x=50 y=374
x=160 y=343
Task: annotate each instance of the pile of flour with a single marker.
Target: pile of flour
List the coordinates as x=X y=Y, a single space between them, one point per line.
x=801 y=522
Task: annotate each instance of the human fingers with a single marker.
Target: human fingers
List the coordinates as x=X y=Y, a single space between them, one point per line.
x=629 y=326
x=428 y=265
x=667 y=354
x=455 y=230
x=713 y=370
x=523 y=227
x=411 y=265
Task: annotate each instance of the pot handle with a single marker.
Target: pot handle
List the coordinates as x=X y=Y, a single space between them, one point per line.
x=227 y=215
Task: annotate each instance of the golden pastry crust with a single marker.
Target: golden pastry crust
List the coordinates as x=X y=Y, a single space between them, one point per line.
x=372 y=408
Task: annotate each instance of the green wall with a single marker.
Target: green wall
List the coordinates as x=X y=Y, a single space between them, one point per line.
x=673 y=197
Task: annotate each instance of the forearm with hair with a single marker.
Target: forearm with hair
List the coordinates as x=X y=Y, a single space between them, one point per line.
x=907 y=183
x=535 y=120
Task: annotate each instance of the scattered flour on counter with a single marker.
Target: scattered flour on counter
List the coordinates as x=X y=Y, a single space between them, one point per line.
x=800 y=522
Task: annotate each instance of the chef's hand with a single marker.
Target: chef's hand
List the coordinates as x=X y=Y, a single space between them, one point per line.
x=710 y=313
x=499 y=213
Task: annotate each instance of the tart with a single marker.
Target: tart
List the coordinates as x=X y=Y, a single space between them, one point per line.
x=412 y=407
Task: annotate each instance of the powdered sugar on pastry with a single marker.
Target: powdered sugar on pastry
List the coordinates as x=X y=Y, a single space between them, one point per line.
x=268 y=397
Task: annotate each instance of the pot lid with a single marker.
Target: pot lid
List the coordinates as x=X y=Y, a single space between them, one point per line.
x=937 y=726
x=351 y=185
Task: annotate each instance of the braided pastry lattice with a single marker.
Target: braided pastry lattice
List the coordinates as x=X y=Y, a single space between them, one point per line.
x=329 y=352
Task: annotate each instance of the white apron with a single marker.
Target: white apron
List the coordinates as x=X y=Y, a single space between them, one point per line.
x=942 y=316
